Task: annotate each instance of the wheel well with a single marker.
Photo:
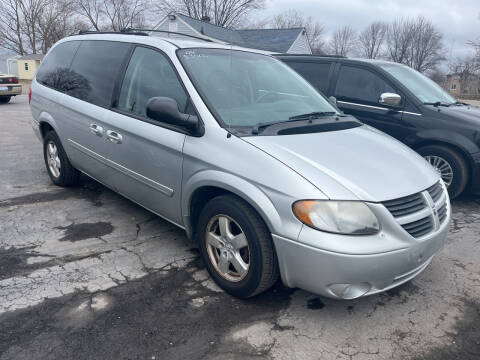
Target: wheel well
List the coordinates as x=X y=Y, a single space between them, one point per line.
x=459 y=150
x=201 y=197
x=45 y=128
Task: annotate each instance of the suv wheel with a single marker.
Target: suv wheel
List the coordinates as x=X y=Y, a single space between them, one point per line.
x=58 y=166
x=4 y=99
x=451 y=166
x=236 y=247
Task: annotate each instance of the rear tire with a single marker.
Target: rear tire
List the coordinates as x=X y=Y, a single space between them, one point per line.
x=452 y=158
x=257 y=253
x=5 y=99
x=58 y=166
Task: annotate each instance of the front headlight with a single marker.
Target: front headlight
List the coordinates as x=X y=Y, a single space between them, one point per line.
x=340 y=217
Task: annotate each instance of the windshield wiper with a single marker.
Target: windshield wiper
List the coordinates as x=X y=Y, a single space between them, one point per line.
x=310 y=116
x=436 y=104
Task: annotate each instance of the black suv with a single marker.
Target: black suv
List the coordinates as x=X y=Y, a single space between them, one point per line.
x=405 y=104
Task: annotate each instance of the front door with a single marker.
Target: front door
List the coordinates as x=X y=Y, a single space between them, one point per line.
x=145 y=155
x=358 y=91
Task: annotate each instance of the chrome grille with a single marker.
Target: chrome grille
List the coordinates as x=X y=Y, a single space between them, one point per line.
x=420 y=227
x=435 y=191
x=442 y=213
x=422 y=213
x=406 y=205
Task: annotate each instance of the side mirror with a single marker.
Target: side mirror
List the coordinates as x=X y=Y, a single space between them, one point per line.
x=333 y=100
x=165 y=110
x=390 y=99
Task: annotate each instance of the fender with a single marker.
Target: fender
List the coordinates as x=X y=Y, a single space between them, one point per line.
x=45 y=117
x=454 y=139
x=244 y=189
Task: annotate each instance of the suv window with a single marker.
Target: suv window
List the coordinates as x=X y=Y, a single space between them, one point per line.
x=56 y=66
x=315 y=73
x=149 y=74
x=95 y=69
x=360 y=84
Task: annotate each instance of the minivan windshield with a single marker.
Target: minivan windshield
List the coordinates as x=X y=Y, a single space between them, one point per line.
x=245 y=89
x=422 y=87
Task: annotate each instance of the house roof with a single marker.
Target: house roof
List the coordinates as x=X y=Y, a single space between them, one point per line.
x=214 y=31
x=32 y=57
x=275 y=40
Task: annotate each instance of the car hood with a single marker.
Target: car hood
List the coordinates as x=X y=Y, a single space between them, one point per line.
x=360 y=163
x=470 y=114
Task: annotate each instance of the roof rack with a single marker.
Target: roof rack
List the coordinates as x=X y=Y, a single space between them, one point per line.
x=315 y=55
x=141 y=32
x=129 y=30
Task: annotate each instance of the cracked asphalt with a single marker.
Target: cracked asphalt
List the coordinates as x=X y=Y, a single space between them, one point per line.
x=87 y=274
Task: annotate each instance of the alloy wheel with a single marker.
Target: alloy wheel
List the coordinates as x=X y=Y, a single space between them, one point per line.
x=227 y=248
x=443 y=167
x=53 y=159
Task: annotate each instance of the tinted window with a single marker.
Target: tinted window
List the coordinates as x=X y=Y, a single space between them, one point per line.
x=95 y=69
x=315 y=73
x=360 y=84
x=56 y=65
x=149 y=74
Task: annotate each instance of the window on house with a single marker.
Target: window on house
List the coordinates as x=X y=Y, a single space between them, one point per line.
x=453 y=86
x=26 y=66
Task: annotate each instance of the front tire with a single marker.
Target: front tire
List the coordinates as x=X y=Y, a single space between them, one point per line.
x=61 y=172
x=451 y=166
x=236 y=247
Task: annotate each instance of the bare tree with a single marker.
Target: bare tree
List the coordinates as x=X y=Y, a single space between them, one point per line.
x=342 y=42
x=371 y=40
x=416 y=43
x=227 y=13
x=113 y=14
x=11 y=24
x=293 y=19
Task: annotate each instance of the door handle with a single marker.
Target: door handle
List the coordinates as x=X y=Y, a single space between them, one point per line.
x=95 y=129
x=114 y=137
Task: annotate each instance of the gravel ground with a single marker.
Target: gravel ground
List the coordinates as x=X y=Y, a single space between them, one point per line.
x=87 y=274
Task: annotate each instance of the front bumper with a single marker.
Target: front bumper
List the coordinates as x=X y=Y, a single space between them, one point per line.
x=347 y=267
x=10 y=90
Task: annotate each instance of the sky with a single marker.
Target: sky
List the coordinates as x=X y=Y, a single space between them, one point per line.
x=458 y=20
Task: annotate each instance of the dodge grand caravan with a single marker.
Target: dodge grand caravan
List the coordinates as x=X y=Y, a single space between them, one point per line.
x=406 y=105
x=236 y=148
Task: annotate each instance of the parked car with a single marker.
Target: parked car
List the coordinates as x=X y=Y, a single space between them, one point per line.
x=407 y=105
x=9 y=87
x=233 y=146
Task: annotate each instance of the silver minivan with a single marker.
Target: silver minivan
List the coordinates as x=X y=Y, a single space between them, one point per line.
x=262 y=171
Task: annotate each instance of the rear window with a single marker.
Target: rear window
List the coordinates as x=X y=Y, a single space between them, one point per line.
x=56 y=65
x=95 y=69
x=315 y=73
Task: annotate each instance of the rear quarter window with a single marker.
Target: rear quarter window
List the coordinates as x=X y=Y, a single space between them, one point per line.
x=315 y=73
x=52 y=72
x=95 y=69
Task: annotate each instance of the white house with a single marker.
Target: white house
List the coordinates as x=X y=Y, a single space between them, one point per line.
x=292 y=41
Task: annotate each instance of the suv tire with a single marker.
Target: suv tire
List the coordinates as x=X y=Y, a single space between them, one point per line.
x=456 y=162
x=242 y=241
x=58 y=166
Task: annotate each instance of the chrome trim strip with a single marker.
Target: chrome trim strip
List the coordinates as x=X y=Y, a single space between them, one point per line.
x=378 y=108
x=132 y=174
x=367 y=106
